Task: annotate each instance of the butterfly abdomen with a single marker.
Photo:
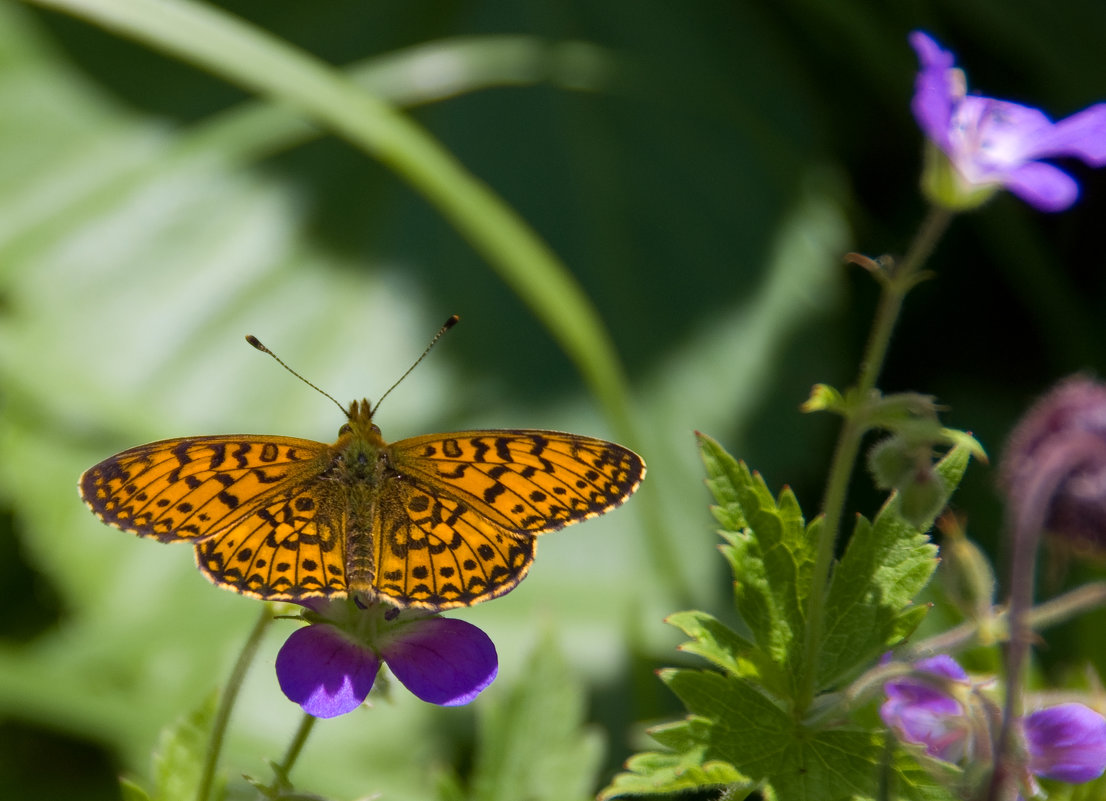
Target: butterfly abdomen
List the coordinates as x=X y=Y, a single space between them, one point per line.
x=360 y=558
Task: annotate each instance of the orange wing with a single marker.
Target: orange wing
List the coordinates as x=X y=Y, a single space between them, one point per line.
x=187 y=489
x=291 y=547
x=524 y=480
x=433 y=551
x=456 y=524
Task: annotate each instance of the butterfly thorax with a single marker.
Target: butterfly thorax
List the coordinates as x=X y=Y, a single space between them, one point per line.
x=360 y=467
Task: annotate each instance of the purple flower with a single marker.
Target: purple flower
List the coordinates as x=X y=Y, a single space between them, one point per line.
x=921 y=712
x=1067 y=743
x=992 y=144
x=329 y=666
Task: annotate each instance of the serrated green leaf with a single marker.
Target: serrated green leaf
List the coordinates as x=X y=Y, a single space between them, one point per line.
x=771 y=558
x=179 y=759
x=656 y=773
x=719 y=644
x=722 y=480
x=740 y=723
x=905 y=624
x=886 y=564
x=733 y=723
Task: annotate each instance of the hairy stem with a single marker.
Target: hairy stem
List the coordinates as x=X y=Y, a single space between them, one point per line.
x=896 y=283
x=226 y=703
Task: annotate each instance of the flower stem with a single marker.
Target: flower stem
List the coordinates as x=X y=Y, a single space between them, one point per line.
x=1053 y=612
x=226 y=703
x=294 y=747
x=1027 y=516
x=895 y=282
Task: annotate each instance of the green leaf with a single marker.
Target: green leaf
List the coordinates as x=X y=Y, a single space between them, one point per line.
x=718 y=643
x=654 y=773
x=738 y=735
x=771 y=556
x=886 y=564
x=723 y=477
x=532 y=742
x=179 y=759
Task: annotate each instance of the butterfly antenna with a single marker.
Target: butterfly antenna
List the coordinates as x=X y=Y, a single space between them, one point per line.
x=448 y=324
x=257 y=344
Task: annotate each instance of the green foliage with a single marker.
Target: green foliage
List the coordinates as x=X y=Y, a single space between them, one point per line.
x=178 y=760
x=745 y=727
x=656 y=772
x=531 y=741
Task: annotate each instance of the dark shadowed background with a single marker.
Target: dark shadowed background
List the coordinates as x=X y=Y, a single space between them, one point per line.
x=700 y=167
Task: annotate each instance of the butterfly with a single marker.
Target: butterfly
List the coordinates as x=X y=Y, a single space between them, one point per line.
x=434 y=522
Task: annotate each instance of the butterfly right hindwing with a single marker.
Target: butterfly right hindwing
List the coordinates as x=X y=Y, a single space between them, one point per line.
x=434 y=551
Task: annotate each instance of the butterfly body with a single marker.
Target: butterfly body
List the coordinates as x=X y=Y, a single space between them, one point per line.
x=434 y=521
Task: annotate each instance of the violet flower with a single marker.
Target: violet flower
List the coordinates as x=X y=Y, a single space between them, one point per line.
x=1067 y=743
x=923 y=713
x=992 y=144
x=329 y=667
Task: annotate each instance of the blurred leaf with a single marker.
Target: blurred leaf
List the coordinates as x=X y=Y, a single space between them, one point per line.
x=531 y=741
x=180 y=755
x=131 y=791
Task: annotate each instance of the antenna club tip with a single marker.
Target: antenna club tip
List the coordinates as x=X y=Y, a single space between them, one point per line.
x=452 y=321
x=255 y=342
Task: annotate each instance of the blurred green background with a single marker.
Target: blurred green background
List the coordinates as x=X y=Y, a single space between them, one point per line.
x=699 y=167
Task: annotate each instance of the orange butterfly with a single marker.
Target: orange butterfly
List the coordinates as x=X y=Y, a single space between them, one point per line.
x=436 y=521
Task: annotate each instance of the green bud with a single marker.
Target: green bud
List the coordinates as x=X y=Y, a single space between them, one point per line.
x=946 y=187
x=966 y=574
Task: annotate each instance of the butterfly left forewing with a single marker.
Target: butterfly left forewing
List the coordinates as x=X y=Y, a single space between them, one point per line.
x=186 y=489
x=524 y=480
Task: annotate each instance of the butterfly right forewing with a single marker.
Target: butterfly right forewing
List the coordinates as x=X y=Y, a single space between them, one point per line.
x=525 y=480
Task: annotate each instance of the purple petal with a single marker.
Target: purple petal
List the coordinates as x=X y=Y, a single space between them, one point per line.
x=990 y=136
x=1066 y=743
x=934 y=89
x=1082 y=135
x=922 y=713
x=324 y=672
x=443 y=661
x=942 y=665
x=918 y=691
x=1043 y=186
x=944 y=733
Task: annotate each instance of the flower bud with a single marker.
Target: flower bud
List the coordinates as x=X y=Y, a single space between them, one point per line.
x=967 y=576
x=905 y=464
x=927 y=712
x=1054 y=466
